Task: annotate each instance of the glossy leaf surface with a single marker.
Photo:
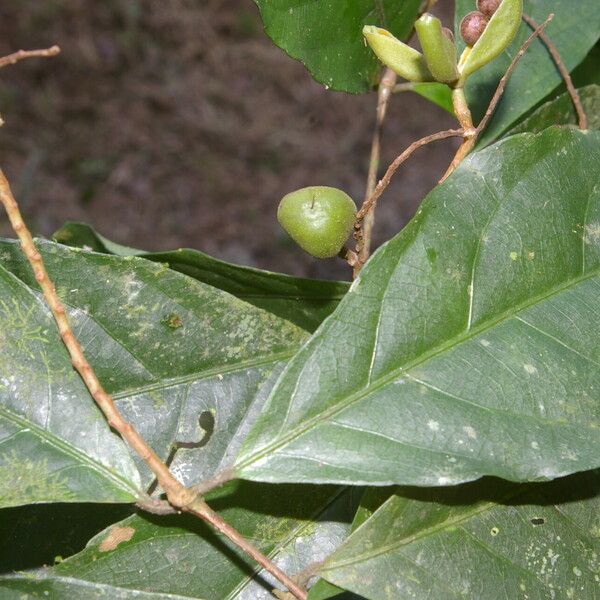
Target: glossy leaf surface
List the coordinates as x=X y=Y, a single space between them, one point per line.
x=326 y=36
x=561 y=111
x=468 y=344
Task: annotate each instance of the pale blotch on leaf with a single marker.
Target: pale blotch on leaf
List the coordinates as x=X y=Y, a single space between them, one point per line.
x=116 y=535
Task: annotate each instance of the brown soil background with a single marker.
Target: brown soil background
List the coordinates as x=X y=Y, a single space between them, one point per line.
x=169 y=123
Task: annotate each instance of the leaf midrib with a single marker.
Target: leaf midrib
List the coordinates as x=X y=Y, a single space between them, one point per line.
x=379 y=383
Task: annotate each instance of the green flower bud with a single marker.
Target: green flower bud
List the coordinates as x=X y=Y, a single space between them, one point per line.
x=496 y=37
x=438 y=48
x=319 y=219
x=402 y=59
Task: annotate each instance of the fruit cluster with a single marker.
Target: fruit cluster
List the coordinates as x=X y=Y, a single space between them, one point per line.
x=487 y=32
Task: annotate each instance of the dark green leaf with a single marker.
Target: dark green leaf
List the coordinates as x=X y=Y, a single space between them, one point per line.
x=587 y=73
x=323 y=590
x=466 y=346
x=561 y=111
x=326 y=36
x=478 y=541
x=294 y=525
x=305 y=302
x=573 y=32
x=184 y=362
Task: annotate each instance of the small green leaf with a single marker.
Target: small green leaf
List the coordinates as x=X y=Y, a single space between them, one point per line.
x=464 y=348
x=470 y=542
x=326 y=36
x=438 y=93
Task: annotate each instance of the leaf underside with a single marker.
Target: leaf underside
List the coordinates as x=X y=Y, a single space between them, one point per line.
x=478 y=541
x=184 y=362
x=304 y=302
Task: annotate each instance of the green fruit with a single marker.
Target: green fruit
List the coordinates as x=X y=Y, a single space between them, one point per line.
x=318 y=218
x=401 y=58
x=438 y=48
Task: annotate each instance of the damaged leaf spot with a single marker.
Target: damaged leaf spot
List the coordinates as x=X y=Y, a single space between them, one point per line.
x=116 y=536
x=173 y=321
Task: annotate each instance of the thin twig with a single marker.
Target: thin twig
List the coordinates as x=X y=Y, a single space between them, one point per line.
x=363 y=236
x=178 y=495
x=538 y=32
x=470 y=142
x=582 y=117
x=385 y=181
x=15 y=57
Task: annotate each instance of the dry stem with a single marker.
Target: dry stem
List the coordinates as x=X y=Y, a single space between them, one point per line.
x=582 y=117
x=15 y=57
x=178 y=495
x=469 y=142
x=363 y=235
x=385 y=181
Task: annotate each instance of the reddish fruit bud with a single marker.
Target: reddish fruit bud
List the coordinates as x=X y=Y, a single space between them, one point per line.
x=488 y=7
x=472 y=26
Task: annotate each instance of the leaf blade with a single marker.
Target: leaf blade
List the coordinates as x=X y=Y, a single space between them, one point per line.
x=155 y=339
x=327 y=37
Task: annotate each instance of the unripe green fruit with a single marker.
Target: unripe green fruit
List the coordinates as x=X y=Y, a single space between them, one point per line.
x=472 y=27
x=398 y=56
x=318 y=218
x=439 y=50
x=488 y=7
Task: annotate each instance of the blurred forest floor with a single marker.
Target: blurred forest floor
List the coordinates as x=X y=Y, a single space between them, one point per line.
x=169 y=123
